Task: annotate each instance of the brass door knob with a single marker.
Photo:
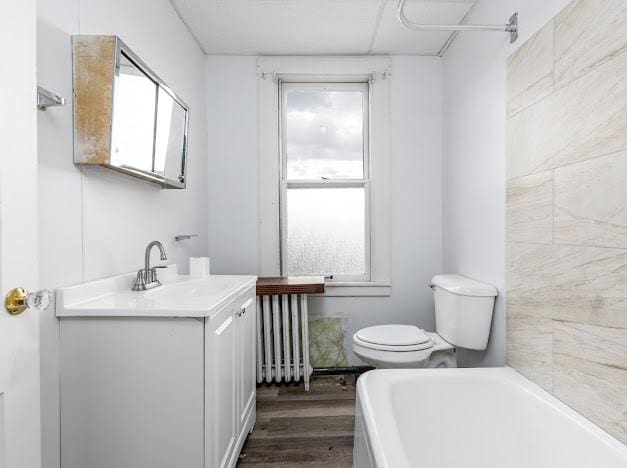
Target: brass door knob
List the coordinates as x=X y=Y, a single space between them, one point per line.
x=15 y=301
x=19 y=299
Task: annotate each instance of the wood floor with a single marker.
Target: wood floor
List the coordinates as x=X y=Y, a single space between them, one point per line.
x=296 y=429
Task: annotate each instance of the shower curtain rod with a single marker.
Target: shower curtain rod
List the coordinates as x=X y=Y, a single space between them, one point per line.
x=511 y=27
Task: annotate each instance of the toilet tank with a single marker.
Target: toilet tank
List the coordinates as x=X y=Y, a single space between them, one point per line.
x=463 y=310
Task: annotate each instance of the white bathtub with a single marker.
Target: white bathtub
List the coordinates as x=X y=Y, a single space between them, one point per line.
x=472 y=418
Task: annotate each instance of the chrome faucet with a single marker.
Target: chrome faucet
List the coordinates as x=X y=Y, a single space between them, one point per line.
x=147 y=278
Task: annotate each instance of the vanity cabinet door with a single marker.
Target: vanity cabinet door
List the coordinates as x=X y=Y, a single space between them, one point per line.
x=132 y=392
x=246 y=327
x=221 y=386
x=230 y=383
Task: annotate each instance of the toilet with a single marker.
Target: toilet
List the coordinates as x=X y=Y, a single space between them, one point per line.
x=463 y=315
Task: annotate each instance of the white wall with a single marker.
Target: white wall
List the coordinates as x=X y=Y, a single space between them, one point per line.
x=473 y=158
x=415 y=174
x=232 y=164
x=92 y=222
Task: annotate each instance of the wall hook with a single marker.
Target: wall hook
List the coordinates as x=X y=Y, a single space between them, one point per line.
x=47 y=99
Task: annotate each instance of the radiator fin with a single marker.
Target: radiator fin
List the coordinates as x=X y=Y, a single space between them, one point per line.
x=283 y=339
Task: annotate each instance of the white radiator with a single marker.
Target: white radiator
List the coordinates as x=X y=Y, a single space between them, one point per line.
x=283 y=339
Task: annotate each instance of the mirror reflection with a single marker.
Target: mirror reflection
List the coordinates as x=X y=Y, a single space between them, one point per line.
x=133 y=118
x=170 y=138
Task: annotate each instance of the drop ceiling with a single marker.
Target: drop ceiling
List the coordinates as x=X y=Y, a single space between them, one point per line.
x=317 y=27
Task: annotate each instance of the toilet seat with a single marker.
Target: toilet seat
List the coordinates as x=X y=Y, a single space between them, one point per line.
x=436 y=352
x=397 y=338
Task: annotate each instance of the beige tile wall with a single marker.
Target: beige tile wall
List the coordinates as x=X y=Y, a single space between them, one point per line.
x=567 y=210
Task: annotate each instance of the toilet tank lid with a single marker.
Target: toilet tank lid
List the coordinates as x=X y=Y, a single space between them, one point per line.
x=463 y=286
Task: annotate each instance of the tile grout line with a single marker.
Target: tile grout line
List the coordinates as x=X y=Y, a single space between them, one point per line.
x=566 y=245
x=553 y=52
x=553 y=206
x=557 y=89
x=553 y=356
x=574 y=163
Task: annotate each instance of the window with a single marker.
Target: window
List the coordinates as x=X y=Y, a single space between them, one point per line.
x=324 y=171
x=325 y=226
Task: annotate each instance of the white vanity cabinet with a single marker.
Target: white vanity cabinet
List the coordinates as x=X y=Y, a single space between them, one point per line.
x=229 y=381
x=247 y=359
x=148 y=384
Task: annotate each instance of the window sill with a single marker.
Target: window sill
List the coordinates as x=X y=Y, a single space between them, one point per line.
x=357 y=289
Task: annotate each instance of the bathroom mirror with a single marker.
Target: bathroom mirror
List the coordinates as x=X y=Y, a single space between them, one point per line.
x=170 y=137
x=125 y=117
x=134 y=109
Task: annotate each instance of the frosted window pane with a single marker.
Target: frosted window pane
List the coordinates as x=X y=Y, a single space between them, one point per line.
x=324 y=134
x=326 y=231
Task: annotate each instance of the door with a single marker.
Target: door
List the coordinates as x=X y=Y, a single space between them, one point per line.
x=221 y=377
x=246 y=343
x=19 y=334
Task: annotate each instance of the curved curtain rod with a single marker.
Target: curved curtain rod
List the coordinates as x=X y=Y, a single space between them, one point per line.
x=511 y=27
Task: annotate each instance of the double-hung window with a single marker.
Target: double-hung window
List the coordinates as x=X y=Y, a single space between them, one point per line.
x=325 y=184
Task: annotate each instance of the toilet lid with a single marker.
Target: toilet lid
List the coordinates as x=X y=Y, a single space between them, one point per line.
x=393 y=335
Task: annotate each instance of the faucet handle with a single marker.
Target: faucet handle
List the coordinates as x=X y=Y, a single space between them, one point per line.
x=140 y=281
x=153 y=273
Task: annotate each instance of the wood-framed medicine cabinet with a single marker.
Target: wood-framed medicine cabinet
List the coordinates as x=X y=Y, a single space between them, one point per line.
x=125 y=117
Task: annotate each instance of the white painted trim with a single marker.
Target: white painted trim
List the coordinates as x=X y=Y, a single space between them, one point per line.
x=376 y=70
x=327 y=66
x=356 y=289
x=269 y=174
x=364 y=182
x=380 y=180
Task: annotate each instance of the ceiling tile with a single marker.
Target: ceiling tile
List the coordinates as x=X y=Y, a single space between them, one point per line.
x=317 y=27
x=277 y=27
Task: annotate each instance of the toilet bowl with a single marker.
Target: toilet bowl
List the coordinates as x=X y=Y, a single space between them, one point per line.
x=463 y=313
x=402 y=346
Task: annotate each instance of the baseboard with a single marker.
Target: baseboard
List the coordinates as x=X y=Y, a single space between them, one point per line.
x=357 y=370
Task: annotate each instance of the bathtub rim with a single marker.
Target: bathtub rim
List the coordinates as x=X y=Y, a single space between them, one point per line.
x=391 y=454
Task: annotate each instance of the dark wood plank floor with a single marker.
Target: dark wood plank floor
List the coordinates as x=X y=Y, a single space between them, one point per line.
x=303 y=430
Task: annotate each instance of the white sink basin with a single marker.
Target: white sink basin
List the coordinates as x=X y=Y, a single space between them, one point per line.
x=194 y=287
x=178 y=296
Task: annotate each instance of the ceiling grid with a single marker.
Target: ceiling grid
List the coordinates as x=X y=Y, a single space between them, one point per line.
x=318 y=27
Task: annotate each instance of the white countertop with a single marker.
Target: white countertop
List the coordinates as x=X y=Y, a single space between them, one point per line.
x=178 y=296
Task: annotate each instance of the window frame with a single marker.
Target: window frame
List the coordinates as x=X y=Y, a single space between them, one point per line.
x=364 y=182
x=374 y=70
